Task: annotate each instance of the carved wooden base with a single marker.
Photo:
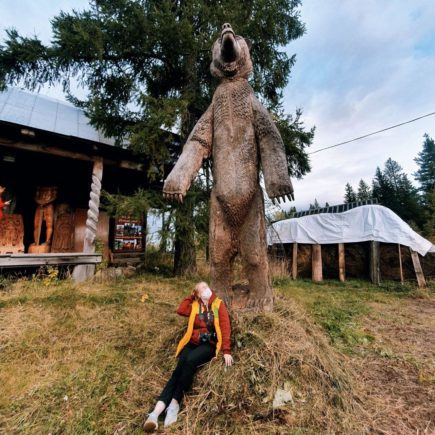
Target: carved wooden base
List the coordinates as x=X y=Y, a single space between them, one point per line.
x=11 y=234
x=39 y=249
x=240 y=299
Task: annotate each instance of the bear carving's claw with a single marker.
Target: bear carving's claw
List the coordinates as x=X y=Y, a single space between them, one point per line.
x=283 y=197
x=173 y=197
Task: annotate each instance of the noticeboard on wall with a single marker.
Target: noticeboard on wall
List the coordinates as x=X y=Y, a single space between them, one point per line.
x=128 y=235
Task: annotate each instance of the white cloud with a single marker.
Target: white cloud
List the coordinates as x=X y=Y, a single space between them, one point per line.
x=361 y=67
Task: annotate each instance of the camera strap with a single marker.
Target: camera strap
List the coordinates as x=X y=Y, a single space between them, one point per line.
x=209 y=318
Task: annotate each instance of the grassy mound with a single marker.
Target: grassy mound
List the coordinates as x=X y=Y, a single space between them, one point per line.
x=275 y=351
x=93 y=358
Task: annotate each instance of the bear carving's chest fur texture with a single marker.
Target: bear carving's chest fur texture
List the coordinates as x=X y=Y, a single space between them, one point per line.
x=235 y=154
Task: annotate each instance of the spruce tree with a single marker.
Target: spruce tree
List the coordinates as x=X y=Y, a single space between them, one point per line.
x=394 y=190
x=426 y=162
x=145 y=68
x=364 y=192
x=425 y=175
x=349 y=194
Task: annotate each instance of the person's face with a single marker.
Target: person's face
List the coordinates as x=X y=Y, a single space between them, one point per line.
x=200 y=290
x=2 y=189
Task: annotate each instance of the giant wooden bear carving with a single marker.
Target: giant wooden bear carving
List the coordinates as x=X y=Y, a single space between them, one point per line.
x=238 y=134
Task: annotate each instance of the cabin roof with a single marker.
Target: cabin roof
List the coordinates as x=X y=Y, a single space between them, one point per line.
x=45 y=113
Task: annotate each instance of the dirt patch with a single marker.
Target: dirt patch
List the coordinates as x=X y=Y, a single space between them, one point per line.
x=394 y=399
x=408 y=327
x=397 y=379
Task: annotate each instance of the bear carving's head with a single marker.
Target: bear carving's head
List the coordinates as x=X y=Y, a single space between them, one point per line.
x=231 y=57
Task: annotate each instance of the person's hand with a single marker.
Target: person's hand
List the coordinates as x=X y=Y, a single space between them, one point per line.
x=7 y=202
x=228 y=360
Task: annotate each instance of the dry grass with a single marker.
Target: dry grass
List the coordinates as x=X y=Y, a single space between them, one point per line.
x=276 y=350
x=93 y=358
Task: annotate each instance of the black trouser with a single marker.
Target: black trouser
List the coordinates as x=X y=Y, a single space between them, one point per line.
x=181 y=380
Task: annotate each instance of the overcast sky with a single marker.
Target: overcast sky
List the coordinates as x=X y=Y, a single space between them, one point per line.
x=361 y=66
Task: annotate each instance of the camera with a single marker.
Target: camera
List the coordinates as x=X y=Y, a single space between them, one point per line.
x=205 y=337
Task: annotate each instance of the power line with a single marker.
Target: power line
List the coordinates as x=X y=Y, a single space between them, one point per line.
x=371 y=134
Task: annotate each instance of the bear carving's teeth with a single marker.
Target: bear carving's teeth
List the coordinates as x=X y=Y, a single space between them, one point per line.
x=228 y=31
x=230 y=68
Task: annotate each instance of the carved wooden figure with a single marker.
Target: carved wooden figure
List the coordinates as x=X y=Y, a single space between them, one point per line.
x=63 y=236
x=11 y=234
x=44 y=213
x=239 y=135
x=3 y=204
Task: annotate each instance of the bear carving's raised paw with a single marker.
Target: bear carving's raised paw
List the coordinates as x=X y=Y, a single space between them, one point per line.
x=174 y=197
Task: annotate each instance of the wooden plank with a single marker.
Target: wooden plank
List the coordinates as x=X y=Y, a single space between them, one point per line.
x=30 y=260
x=375 y=270
x=48 y=254
x=316 y=262
x=46 y=149
x=80 y=216
x=418 y=270
x=341 y=263
x=132 y=260
x=402 y=279
x=295 y=261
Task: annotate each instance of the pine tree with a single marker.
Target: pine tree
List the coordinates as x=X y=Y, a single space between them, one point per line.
x=364 y=192
x=145 y=66
x=426 y=162
x=380 y=189
x=394 y=190
x=349 y=194
x=425 y=175
x=314 y=205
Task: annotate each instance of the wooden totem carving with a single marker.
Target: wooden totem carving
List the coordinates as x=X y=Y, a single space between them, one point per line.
x=63 y=236
x=239 y=135
x=11 y=234
x=44 y=214
x=3 y=204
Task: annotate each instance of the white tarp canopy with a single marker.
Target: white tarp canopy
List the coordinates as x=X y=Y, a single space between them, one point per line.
x=361 y=224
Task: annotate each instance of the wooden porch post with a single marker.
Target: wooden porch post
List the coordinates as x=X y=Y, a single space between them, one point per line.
x=84 y=272
x=295 y=261
x=375 y=270
x=316 y=262
x=402 y=279
x=341 y=263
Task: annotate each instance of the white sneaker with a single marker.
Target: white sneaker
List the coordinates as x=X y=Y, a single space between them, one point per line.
x=151 y=424
x=171 y=414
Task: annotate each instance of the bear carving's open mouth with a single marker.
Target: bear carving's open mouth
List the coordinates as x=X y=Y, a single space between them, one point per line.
x=230 y=49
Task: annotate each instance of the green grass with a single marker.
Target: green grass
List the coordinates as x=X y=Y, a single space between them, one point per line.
x=339 y=308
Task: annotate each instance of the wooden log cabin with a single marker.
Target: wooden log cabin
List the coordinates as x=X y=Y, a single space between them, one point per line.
x=53 y=165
